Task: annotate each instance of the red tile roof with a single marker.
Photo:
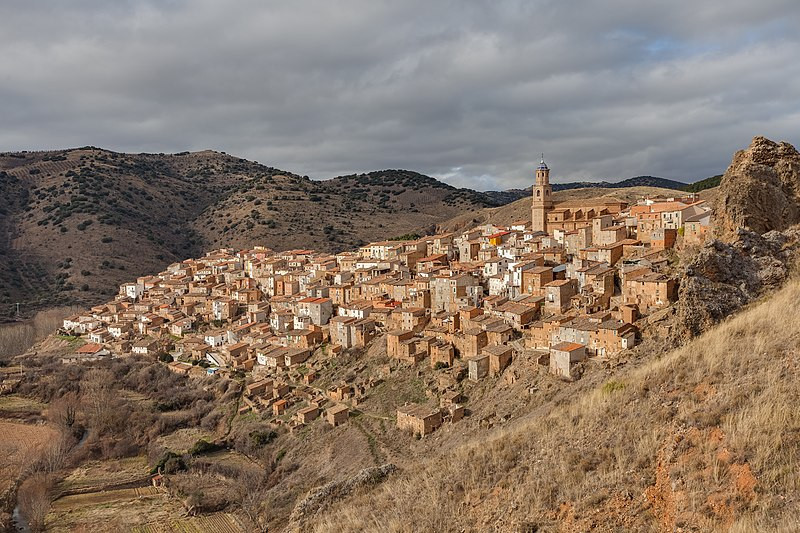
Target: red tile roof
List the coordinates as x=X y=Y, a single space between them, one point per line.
x=90 y=348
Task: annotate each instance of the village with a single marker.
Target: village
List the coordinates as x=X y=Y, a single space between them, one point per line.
x=568 y=285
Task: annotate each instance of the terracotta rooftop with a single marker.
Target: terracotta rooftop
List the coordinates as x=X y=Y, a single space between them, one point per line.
x=567 y=346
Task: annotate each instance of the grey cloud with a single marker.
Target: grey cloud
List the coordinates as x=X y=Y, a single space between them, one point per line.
x=467 y=91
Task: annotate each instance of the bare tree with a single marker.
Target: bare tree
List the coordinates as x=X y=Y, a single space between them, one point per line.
x=250 y=488
x=33 y=498
x=99 y=398
x=55 y=453
x=63 y=411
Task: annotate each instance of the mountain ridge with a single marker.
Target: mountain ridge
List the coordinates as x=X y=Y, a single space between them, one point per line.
x=79 y=221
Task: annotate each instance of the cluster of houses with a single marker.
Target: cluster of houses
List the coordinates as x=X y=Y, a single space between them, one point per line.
x=473 y=299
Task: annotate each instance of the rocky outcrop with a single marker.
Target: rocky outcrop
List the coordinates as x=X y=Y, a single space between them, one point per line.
x=760 y=191
x=723 y=277
x=756 y=217
x=321 y=497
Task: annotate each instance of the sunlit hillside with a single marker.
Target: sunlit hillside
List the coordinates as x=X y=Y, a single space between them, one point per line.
x=704 y=438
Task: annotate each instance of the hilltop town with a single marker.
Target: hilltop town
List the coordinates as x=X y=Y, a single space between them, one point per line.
x=564 y=370
x=568 y=285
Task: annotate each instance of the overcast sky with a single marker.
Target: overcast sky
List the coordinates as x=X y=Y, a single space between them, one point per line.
x=467 y=91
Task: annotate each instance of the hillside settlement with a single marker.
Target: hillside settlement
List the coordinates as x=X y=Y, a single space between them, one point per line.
x=569 y=286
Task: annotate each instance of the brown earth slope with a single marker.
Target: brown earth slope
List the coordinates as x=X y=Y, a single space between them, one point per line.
x=75 y=223
x=705 y=438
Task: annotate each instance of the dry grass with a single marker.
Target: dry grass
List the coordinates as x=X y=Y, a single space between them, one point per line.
x=21 y=445
x=706 y=437
x=18 y=337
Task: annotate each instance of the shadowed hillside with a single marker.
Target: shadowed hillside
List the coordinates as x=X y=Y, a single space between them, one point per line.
x=76 y=223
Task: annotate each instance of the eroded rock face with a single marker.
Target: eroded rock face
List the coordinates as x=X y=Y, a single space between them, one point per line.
x=760 y=191
x=723 y=277
x=756 y=219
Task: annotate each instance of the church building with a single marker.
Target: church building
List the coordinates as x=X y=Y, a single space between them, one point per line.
x=548 y=215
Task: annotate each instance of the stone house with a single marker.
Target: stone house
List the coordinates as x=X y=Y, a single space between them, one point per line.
x=394 y=340
x=649 y=290
x=535 y=279
x=471 y=342
x=696 y=228
x=450 y=398
x=498 y=332
x=271 y=356
x=296 y=356
x=478 y=367
x=341 y=392
x=307 y=414
x=279 y=407
x=499 y=358
x=663 y=238
x=418 y=419
x=337 y=415
x=119 y=329
x=341 y=332
x=563 y=357
x=541 y=332
x=613 y=336
x=558 y=294
x=262 y=387
x=319 y=310
x=607 y=253
x=304 y=338
x=442 y=352
x=145 y=347
x=181 y=327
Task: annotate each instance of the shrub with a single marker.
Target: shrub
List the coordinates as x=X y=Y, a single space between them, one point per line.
x=175 y=461
x=202 y=447
x=613 y=386
x=262 y=438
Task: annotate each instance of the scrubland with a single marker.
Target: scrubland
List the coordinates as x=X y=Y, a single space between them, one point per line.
x=703 y=438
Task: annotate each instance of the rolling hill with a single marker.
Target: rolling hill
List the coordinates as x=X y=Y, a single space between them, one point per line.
x=76 y=223
x=511 y=195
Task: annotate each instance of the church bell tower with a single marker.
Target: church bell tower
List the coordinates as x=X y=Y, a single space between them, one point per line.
x=542 y=197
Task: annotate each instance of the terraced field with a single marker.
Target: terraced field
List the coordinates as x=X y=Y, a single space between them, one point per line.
x=217 y=522
x=20 y=445
x=13 y=405
x=97 y=476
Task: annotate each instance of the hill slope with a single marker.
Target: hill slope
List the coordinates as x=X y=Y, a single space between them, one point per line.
x=704 y=438
x=78 y=222
x=511 y=195
x=521 y=209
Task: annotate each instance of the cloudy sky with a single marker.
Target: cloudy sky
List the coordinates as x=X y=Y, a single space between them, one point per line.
x=468 y=91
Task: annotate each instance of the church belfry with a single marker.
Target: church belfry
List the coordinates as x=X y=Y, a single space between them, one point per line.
x=542 y=201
